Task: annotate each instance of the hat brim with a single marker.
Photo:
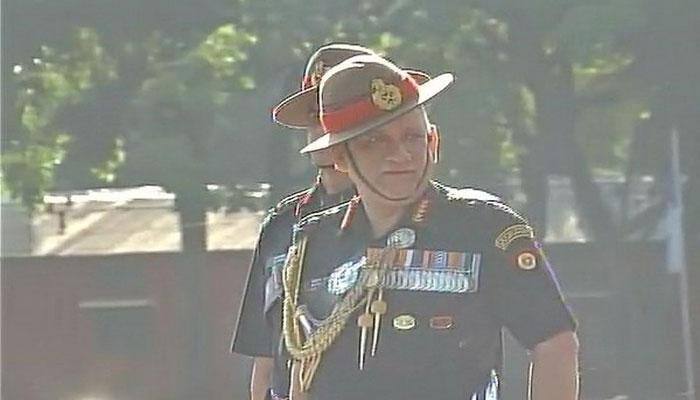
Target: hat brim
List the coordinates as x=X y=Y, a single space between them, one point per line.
x=299 y=111
x=426 y=91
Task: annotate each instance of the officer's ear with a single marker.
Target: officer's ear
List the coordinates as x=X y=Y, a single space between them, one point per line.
x=340 y=158
x=434 y=143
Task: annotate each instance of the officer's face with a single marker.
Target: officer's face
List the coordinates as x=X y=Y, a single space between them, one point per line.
x=321 y=158
x=393 y=157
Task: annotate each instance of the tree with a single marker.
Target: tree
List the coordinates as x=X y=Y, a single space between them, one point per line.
x=177 y=118
x=181 y=96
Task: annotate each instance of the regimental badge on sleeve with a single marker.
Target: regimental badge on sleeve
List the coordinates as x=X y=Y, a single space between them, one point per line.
x=518 y=242
x=512 y=233
x=526 y=260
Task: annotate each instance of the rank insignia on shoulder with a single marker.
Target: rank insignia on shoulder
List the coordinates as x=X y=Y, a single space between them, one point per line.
x=527 y=261
x=512 y=233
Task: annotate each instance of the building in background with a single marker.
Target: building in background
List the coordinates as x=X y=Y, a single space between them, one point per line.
x=143 y=219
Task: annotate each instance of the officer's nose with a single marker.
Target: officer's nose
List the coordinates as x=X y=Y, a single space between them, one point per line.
x=399 y=152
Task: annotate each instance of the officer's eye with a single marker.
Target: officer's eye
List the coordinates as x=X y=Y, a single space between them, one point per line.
x=375 y=139
x=365 y=141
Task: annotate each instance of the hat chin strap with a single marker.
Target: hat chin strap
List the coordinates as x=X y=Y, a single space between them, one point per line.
x=324 y=166
x=373 y=188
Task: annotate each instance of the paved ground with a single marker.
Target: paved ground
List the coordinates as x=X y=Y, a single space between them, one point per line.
x=136 y=222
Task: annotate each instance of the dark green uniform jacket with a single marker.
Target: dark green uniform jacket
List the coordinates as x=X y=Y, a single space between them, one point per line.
x=258 y=331
x=469 y=267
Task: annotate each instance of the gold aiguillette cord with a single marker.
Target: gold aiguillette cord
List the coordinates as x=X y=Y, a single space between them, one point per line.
x=307 y=350
x=308 y=370
x=309 y=364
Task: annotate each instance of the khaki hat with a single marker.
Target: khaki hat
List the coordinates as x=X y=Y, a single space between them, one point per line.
x=300 y=110
x=364 y=92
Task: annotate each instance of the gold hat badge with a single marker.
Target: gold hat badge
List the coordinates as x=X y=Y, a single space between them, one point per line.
x=385 y=95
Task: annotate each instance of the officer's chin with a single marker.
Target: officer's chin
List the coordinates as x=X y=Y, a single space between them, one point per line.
x=407 y=194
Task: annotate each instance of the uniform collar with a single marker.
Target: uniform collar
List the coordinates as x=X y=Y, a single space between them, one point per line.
x=317 y=198
x=356 y=223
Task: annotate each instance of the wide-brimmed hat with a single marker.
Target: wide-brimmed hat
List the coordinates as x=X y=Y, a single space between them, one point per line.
x=364 y=92
x=300 y=110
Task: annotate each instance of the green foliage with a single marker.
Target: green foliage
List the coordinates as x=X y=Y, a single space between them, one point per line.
x=176 y=112
x=224 y=50
x=107 y=171
x=205 y=96
x=28 y=170
x=52 y=80
x=590 y=31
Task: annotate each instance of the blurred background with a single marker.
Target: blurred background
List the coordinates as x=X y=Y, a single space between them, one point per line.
x=138 y=157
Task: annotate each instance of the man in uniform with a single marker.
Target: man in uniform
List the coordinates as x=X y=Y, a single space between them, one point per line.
x=258 y=331
x=403 y=292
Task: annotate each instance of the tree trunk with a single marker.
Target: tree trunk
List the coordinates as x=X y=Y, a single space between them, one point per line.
x=688 y=125
x=525 y=49
x=191 y=320
x=556 y=118
x=192 y=211
x=534 y=179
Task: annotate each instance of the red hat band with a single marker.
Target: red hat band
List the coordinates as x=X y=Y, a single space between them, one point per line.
x=384 y=97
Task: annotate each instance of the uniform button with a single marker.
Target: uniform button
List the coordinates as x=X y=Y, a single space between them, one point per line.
x=441 y=322
x=404 y=322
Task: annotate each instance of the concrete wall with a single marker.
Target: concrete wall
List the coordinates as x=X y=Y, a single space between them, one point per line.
x=108 y=327
x=113 y=327
x=16 y=235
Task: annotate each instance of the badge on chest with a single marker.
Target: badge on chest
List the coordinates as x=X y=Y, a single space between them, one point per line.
x=430 y=270
x=345 y=276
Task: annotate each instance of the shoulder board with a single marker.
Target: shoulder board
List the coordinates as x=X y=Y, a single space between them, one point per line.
x=269 y=216
x=285 y=205
x=466 y=194
x=513 y=225
x=292 y=199
x=501 y=207
x=317 y=217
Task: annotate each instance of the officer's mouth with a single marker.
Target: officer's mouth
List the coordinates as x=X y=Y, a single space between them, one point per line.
x=399 y=173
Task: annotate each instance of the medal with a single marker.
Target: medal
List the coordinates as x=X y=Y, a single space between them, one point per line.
x=371 y=278
x=401 y=238
x=345 y=276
